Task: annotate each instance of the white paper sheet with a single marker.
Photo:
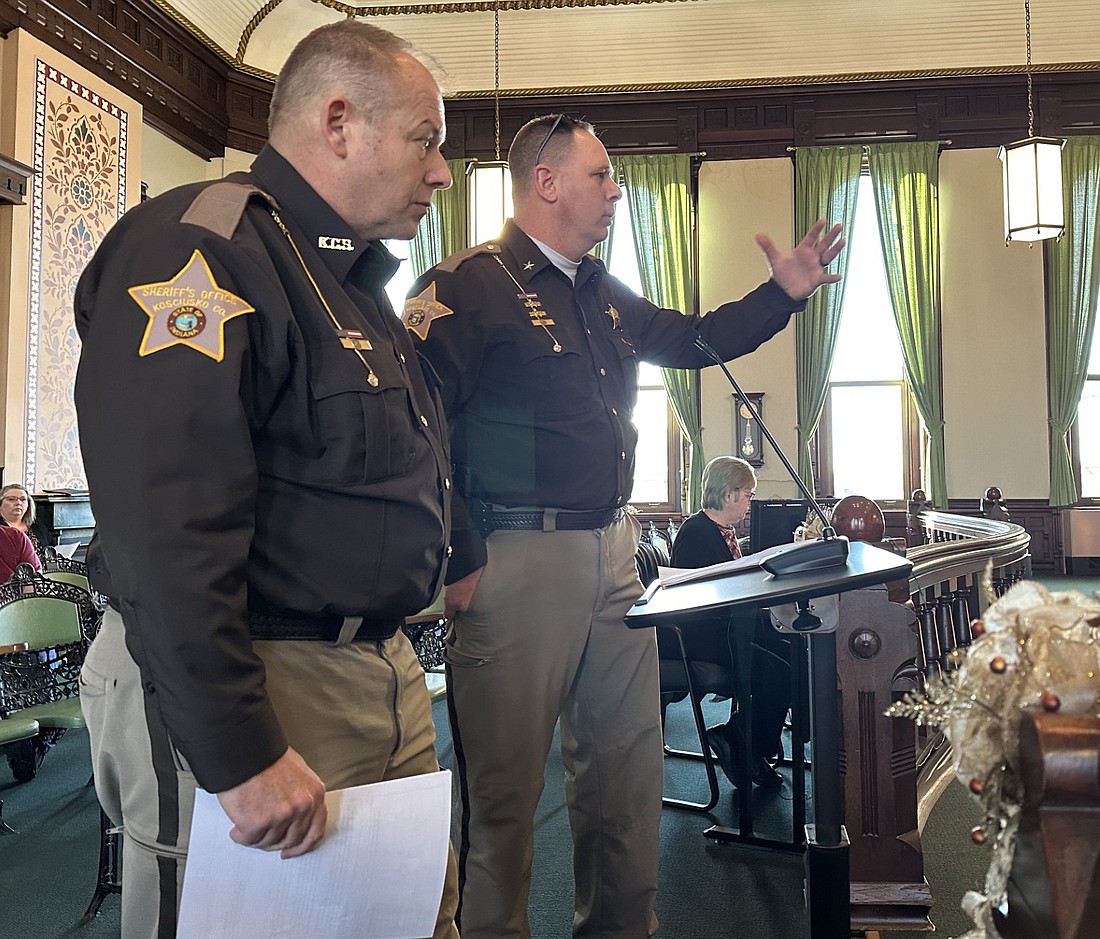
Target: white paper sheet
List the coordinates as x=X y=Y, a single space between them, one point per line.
x=378 y=874
x=68 y=549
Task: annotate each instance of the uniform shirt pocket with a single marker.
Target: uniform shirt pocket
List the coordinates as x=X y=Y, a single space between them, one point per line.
x=363 y=421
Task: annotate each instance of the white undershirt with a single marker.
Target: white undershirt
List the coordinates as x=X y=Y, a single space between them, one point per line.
x=560 y=261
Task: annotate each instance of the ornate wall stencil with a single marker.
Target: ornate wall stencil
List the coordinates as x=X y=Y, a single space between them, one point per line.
x=80 y=149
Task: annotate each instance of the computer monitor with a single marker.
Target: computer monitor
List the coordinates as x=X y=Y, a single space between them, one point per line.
x=773 y=521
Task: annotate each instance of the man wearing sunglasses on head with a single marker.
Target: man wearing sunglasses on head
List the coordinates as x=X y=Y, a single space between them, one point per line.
x=538 y=350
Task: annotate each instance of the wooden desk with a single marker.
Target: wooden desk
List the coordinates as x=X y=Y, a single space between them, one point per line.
x=13 y=647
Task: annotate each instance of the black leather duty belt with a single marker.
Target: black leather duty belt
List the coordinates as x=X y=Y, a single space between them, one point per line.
x=317 y=628
x=546 y=519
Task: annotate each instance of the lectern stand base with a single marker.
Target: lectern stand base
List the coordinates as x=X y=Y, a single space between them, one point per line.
x=724 y=835
x=827 y=900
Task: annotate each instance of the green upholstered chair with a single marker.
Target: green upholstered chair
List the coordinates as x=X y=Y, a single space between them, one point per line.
x=42 y=682
x=69 y=577
x=14 y=730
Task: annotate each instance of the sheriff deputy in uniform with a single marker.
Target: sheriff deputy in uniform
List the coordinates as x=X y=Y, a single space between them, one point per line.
x=269 y=473
x=538 y=350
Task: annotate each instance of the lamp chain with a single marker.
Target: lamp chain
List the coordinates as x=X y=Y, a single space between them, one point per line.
x=1027 y=33
x=496 y=76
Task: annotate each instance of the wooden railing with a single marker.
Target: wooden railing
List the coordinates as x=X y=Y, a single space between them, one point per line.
x=888 y=641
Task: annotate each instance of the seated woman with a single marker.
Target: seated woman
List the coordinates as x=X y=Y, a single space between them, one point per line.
x=708 y=537
x=17 y=511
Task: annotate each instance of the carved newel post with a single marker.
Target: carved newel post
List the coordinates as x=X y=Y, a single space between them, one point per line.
x=875 y=639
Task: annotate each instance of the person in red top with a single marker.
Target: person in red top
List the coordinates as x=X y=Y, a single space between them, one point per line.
x=15 y=549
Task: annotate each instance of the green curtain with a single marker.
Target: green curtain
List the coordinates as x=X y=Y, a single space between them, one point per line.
x=826 y=183
x=658 y=188
x=905 y=177
x=444 y=229
x=1072 y=275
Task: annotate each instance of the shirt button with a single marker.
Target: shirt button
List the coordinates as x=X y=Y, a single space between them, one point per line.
x=401 y=356
x=589 y=331
x=423 y=420
x=450 y=550
x=149 y=687
x=446 y=484
x=603 y=372
x=622 y=455
x=615 y=412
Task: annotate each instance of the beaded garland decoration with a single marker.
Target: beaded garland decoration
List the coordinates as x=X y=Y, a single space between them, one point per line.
x=1033 y=649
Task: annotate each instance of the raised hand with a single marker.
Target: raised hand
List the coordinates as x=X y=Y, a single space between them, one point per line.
x=802 y=270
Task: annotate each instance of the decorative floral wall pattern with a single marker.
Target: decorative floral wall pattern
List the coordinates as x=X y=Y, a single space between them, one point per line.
x=80 y=149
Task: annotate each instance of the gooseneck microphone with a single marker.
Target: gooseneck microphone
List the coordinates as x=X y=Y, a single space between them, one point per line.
x=831 y=550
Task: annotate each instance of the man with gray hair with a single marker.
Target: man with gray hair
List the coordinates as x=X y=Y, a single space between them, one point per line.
x=269 y=472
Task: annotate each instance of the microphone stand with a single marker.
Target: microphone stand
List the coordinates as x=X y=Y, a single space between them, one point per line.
x=826 y=860
x=831 y=550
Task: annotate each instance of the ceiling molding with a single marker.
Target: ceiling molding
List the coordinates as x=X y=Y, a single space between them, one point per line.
x=200 y=99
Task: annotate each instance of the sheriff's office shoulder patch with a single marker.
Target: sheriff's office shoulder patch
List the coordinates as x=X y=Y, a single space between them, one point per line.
x=422 y=309
x=188 y=310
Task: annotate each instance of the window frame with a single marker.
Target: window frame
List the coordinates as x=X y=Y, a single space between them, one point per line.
x=911 y=430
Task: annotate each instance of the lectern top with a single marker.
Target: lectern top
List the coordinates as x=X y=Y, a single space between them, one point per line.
x=867 y=565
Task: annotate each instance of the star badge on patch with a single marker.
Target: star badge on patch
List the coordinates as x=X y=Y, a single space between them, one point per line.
x=188 y=310
x=422 y=309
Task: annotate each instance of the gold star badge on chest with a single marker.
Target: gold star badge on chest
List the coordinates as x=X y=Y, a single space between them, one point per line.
x=422 y=309
x=188 y=310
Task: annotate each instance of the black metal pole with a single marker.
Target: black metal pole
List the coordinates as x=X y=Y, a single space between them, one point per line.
x=827 y=872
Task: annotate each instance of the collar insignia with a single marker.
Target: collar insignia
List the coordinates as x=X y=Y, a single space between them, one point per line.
x=529 y=265
x=188 y=310
x=422 y=309
x=335 y=244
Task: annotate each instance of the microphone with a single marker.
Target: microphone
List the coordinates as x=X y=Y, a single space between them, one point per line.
x=831 y=550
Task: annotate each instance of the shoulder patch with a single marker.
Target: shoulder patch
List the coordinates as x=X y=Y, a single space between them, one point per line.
x=420 y=310
x=219 y=207
x=456 y=260
x=189 y=309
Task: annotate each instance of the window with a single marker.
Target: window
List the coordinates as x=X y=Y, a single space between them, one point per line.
x=1087 y=427
x=398 y=287
x=866 y=441
x=657 y=464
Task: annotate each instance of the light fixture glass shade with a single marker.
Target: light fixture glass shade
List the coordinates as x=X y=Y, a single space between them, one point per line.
x=1032 y=171
x=490 y=199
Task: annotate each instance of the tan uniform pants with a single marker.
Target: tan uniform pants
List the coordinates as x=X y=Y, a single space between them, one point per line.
x=357 y=714
x=544 y=638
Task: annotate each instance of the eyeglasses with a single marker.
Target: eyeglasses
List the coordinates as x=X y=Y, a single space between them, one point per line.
x=750 y=492
x=546 y=139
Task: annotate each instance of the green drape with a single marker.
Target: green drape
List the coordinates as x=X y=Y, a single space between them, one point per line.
x=905 y=177
x=826 y=183
x=444 y=229
x=1072 y=276
x=658 y=188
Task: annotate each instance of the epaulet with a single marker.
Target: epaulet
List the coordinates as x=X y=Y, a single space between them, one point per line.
x=455 y=261
x=219 y=207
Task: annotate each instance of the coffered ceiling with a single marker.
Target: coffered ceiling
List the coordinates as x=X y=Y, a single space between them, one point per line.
x=557 y=45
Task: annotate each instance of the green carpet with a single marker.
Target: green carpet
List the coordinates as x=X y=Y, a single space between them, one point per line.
x=47 y=870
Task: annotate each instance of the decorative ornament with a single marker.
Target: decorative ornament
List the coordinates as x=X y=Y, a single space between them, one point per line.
x=1036 y=649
